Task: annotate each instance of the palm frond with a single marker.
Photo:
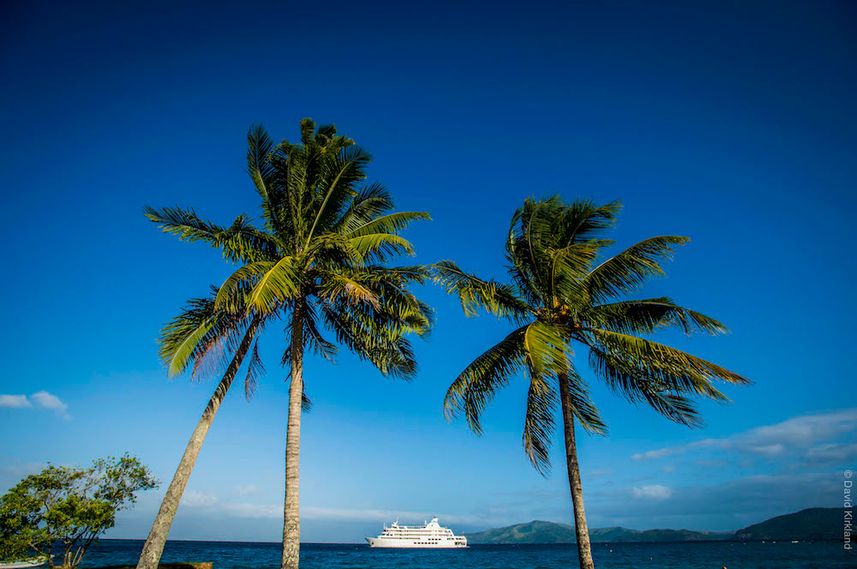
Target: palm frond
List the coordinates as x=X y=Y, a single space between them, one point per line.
x=338 y=285
x=381 y=246
x=475 y=293
x=371 y=336
x=255 y=370
x=371 y=202
x=281 y=282
x=580 y=402
x=182 y=338
x=259 y=167
x=391 y=223
x=568 y=265
x=647 y=315
x=629 y=269
x=340 y=172
x=539 y=422
x=676 y=370
x=185 y=224
x=474 y=387
x=200 y=334
x=532 y=232
x=546 y=349
x=237 y=286
x=665 y=393
x=240 y=242
x=583 y=221
x=244 y=242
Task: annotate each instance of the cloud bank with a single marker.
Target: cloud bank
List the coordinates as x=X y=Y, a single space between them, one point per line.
x=817 y=438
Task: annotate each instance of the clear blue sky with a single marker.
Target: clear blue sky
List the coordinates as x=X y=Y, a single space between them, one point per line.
x=730 y=122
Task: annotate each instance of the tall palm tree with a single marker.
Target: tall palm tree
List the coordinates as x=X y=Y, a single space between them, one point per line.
x=558 y=296
x=320 y=261
x=205 y=336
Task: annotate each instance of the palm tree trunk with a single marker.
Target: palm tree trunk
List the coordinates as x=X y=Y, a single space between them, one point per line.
x=584 y=549
x=154 y=546
x=291 y=509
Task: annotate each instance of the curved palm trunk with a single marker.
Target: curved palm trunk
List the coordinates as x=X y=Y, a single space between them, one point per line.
x=584 y=549
x=291 y=509
x=154 y=546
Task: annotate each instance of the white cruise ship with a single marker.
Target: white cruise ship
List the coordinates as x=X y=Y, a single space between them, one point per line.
x=426 y=535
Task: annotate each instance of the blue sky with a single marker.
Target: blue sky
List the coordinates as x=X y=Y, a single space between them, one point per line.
x=731 y=123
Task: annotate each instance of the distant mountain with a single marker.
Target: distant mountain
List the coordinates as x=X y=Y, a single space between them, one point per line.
x=813 y=523
x=549 y=532
x=624 y=535
x=535 y=531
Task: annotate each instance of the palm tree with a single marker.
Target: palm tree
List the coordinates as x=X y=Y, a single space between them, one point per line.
x=204 y=335
x=319 y=261
x=559 y=296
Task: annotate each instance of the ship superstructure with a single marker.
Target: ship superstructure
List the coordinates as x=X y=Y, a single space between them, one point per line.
x=429 y=534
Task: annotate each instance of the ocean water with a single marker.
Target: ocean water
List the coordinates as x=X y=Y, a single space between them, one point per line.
x=706 y=555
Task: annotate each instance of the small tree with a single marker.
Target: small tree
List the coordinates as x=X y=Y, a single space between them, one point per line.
x=68 y=507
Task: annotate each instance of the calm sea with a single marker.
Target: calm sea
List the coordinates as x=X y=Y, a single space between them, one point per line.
x=712 y=555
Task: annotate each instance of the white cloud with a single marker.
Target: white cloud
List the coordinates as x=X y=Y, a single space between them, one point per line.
x=708 y=463
x=807 y=429
x=833 y=452
x=808 y=436
x=257 y=510
x=41 y=399
x=652 y=492
x=659 y=453
x=14 y=402
x=197 y=499
x=246 y=489
x=47 y=400
x=766 y=450
x=598 y=472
